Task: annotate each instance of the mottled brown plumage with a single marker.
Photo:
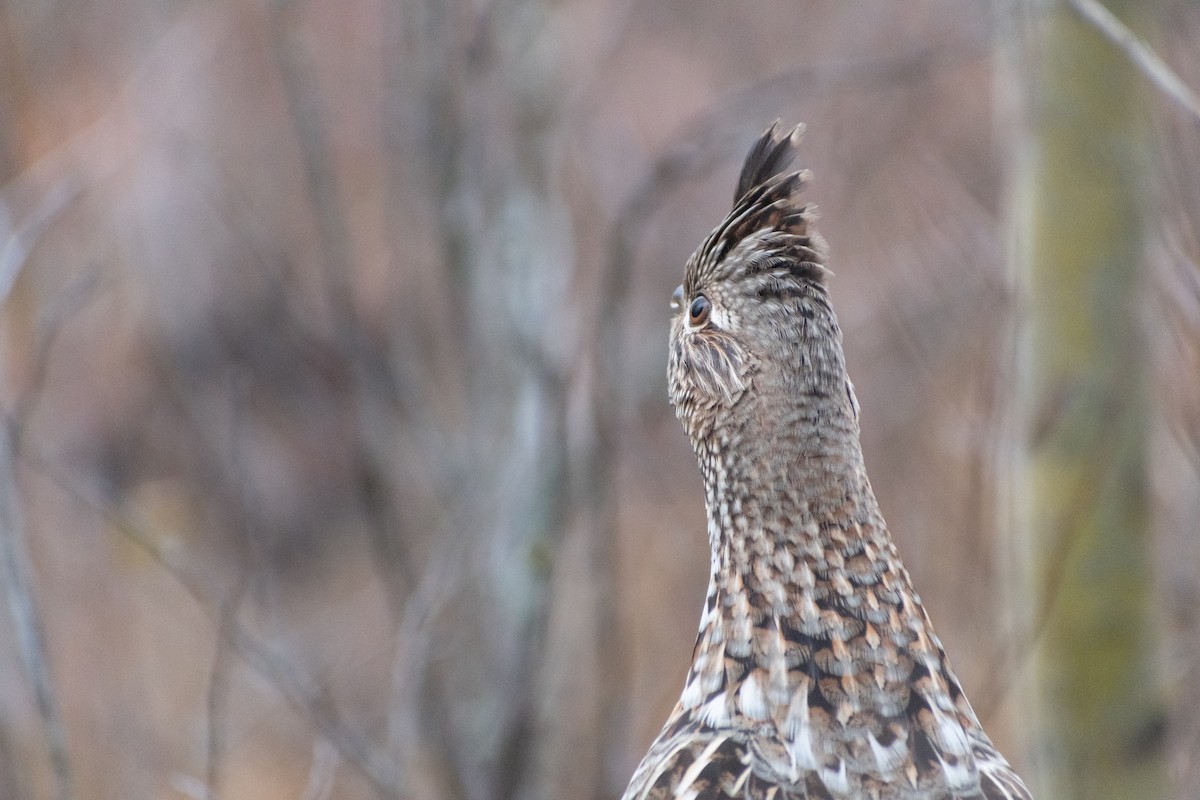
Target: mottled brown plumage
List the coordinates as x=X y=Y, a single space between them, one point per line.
x=816 y=673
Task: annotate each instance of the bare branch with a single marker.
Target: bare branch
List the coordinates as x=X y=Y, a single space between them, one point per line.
x=1140 y=53
x=15 y=572
x=300 y=690
x=16 y=568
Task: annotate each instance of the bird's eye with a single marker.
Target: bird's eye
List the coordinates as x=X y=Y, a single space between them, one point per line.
x=698 y=312
x=677 y=298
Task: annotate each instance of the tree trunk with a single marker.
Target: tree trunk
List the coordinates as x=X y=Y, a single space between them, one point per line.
x=1099 y=717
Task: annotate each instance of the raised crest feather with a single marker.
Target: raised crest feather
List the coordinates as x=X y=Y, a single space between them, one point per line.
x=769 y=156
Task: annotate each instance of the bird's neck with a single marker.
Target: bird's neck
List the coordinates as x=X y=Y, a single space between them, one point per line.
x=802 y=562
x=784 y=521
x=783 y=472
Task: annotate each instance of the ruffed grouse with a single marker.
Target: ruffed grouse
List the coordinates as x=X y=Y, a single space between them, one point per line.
x=816 y=672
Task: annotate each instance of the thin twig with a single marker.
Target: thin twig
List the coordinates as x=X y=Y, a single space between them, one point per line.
x=1140 y=53
x=16 y=574
x=20 y=241
x=217 y=691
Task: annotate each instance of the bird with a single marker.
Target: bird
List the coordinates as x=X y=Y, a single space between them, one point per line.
x=816 y=672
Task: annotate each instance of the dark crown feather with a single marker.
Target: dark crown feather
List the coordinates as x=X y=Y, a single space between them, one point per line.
x=769 y=156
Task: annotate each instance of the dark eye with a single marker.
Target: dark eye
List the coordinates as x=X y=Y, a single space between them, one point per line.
x=698 y=313
x=677 y=298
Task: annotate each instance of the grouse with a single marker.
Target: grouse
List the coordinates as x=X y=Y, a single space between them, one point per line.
x=816 y=671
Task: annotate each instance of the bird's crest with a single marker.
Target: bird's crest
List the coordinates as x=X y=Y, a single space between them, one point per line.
x=768 y=207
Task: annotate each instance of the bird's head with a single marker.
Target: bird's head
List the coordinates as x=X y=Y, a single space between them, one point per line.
x=753 y=331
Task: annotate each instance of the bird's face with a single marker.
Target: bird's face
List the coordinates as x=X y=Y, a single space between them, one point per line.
x=754 y=318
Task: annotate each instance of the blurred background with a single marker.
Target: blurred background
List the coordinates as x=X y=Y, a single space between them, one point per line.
x=337 y=460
